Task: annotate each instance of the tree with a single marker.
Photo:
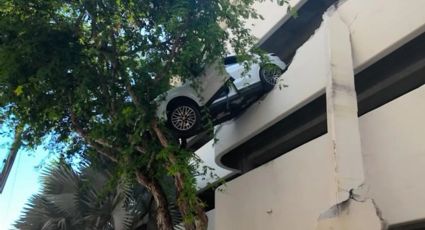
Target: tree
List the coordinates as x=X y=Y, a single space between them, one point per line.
x=85 y=74
x=89 y=199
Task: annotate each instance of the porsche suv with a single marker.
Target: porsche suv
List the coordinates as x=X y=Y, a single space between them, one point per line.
x=221 y=93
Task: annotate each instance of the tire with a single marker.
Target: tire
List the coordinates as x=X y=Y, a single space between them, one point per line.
x=184 y=118
x=269 y=74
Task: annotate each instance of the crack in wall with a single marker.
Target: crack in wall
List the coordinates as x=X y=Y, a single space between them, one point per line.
x=352 y=215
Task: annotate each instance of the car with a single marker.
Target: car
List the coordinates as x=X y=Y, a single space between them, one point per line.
x=222 y=94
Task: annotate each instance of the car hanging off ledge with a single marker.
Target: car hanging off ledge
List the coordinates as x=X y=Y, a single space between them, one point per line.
x=224 y=94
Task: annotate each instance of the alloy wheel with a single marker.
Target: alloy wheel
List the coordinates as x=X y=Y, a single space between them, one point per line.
x=183 y=118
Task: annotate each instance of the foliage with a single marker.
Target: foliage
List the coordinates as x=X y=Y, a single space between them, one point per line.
x=86 y=74
x=87 y=200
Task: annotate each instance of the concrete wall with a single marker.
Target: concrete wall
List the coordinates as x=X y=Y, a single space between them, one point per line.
x=211 y=219
x=287 y=193
x=207 y=157
x=376 y=27
x=393 y=143
x=274 y=16
x=299 y=190
x=304 y=85
x=292 y=191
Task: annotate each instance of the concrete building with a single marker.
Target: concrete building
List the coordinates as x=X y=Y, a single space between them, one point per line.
x=343 y=145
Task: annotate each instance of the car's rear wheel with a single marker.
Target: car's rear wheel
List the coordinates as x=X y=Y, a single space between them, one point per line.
x=269 y=75
x=184 y=118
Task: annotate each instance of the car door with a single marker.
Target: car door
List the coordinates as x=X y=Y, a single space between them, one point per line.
x=210 y=81
x=243 y=78
x=235 y=71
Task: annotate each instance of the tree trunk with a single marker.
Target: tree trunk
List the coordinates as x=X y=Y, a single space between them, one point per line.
x=200 y=218
x=163 y=217
x=13 y=151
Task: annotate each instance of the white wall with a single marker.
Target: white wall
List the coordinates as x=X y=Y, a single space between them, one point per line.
x=298 y=186
x=211 y=219
x=274 y=16
x=306 y=78
x=393 y=142
x=377 y=27
x=287 y=193
x=206 y=154
x=292 y=191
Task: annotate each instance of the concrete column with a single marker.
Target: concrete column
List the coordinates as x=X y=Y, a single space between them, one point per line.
x=344 y=136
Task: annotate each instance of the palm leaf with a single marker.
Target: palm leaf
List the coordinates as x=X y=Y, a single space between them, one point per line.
x=86 y=200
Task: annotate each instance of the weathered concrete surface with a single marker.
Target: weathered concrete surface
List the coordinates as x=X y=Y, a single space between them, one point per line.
x=351 y=215
x=305 y=85
x=335 y=181
x=378 y=27
x=287 y=193
x=205 y=153
x=341 y=101
x=393 y=144
x=344 y=133
x=274 y=16
x=301 y=188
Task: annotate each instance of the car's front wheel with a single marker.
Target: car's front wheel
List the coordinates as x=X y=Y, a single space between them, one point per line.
x=269 y=75
x=184 y=118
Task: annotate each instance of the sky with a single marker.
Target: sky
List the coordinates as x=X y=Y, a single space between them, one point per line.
x=23 y=181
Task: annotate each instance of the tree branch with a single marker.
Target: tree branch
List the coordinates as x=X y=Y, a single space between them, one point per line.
x=201 y=220
x=140 y=149
x=133 y=95
x=13 y=151
x=99 y=145
x=163 y=218
x=161 y=137
x=151 y=159
x=171 y=57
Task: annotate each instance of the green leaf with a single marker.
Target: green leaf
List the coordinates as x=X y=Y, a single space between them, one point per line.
x=87 y=74
x=19 y=90
x=292 y=11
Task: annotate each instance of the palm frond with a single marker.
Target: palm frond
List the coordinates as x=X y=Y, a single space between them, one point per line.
x=88 y=200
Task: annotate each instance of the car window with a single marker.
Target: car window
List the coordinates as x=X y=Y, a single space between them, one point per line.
x=230 y=60
x=224 y=92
